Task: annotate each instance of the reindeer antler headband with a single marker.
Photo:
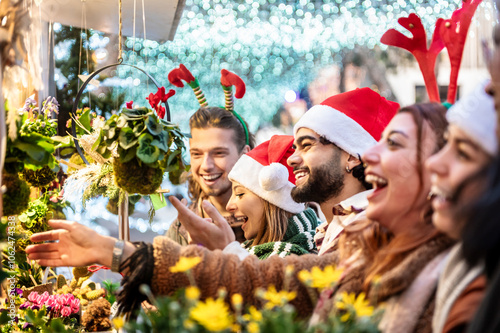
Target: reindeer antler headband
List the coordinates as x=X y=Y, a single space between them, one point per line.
x=228 y=80
x=450 y=33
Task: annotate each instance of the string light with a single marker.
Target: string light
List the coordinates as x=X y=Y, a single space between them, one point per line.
x=275 y=46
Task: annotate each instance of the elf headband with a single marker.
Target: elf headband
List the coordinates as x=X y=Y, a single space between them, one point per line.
x=227 y=80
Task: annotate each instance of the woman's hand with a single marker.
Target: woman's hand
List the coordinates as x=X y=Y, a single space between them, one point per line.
x=76 y=245
x=213 y=235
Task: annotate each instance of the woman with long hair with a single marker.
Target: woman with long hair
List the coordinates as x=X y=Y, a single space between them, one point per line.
x=457 y=173
x=273 y=224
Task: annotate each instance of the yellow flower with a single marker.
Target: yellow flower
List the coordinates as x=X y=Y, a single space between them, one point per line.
x=192 y=293
x=213 y=315
x=253 y=327
x=305 y=277
x=236 y=328
x=236 y=300
x=358 y=305
x=185 y=264
x=253 y=315
x=275 y=298
x=118 y=322
x=326 y=278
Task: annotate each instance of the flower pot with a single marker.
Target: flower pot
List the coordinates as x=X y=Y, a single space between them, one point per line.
x=40 y=289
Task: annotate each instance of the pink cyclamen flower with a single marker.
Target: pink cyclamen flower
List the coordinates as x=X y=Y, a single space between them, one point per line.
x=66 y=311
x=32 y=297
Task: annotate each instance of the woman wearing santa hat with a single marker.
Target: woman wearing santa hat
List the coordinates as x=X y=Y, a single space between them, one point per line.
x=273 y=223
x=472 y=145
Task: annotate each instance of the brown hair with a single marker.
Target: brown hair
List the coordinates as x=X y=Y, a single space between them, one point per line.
x=215 y=117
x=274 y=224
x=380 y=248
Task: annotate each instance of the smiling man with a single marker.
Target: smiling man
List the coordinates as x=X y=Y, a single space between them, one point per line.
x=329 y=139
x=217 y=142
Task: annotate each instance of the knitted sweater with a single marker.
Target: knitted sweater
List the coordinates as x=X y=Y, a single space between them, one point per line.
x=407 y=289
x=298 y=238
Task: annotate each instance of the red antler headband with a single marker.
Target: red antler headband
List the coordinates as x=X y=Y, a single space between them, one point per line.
x=450 y=33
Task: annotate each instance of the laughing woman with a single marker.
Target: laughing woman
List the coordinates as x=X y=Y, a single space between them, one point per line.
x=395 y=257
x=471 y=146
x=273 y=223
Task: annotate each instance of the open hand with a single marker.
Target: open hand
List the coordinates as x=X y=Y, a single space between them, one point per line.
x=213 y=235
x=76 y=245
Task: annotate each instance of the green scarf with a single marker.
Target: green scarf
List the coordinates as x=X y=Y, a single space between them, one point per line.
x=298 y=239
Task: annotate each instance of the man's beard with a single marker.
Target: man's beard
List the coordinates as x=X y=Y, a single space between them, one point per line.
x=324 y=182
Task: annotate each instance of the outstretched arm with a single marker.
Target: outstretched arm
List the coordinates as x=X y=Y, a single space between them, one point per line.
x=75 y=245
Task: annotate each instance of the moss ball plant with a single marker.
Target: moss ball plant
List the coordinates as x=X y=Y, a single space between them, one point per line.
x=77 y=159
x=39 y=178
x=16 y=199
x=143 y=146
x=136 y=177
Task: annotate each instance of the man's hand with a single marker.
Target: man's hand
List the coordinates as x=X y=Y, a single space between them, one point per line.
x=76 y=245
x=216 y=235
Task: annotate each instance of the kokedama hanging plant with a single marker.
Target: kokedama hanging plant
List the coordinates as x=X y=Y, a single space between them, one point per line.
x=143 y=145
x=31 y=143
x=16 y=199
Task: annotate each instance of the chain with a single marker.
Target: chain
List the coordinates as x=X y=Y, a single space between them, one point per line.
x=120 y=26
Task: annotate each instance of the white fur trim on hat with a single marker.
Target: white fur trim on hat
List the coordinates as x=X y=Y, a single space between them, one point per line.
x=475 y=115
x=251 y=174
x=336 y=127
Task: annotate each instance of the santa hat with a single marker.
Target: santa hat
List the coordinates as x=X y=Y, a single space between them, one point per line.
x=475 y=115
x=353 y=120
x=264 y=171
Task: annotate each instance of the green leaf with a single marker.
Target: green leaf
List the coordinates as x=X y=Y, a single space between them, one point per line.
x=137 y=112
x=121 y=122
x=172 y=156
x=36 y=152
x=139 y=128
x=146 y=151
x=154 y=127
x=85 y=120
x=127 y=138
x=98 y=141
x=127 y=155
x=161 y=141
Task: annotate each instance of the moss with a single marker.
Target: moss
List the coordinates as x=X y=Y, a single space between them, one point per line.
x=112 y=206
x=77 y=159
x=16 y=199
x=39 y=178
x=96 y=318
x=135 y=178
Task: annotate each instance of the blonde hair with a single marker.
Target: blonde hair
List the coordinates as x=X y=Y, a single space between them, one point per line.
x=274 y=224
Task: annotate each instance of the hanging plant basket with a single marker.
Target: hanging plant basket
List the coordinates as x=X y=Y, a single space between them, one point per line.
x=16 y=199
x=39 y=178
x=143 y=147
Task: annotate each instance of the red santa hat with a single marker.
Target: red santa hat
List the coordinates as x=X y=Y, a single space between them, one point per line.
x=265 y=172
x=353 y=120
